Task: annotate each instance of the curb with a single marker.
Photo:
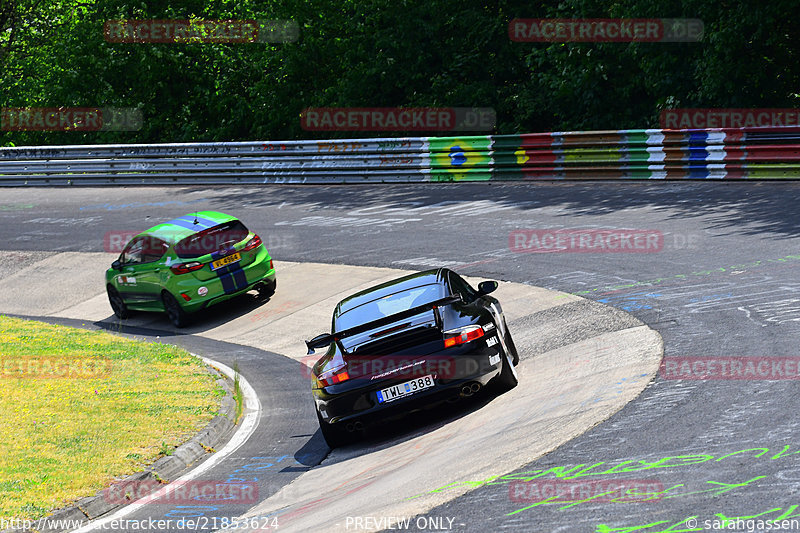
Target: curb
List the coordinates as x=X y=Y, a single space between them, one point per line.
x=162 y=471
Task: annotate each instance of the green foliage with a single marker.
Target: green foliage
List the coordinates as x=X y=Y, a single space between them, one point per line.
x=381 y=53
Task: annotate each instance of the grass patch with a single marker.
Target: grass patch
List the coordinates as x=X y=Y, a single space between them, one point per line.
x=108 y=407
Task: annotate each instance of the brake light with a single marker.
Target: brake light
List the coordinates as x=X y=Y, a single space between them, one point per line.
x=255 y=242
x=332 y=378
x=185 y=268
x=454 y=337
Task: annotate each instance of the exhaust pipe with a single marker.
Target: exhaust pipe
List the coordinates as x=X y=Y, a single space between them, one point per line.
x=469 y=389
x=354 y=426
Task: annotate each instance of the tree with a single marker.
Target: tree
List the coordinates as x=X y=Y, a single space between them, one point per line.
x=381 y=53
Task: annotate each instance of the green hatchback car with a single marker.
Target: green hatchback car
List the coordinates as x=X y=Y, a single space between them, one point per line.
x=187 y=264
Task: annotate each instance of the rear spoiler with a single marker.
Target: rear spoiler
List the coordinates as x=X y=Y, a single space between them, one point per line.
x=321 y=341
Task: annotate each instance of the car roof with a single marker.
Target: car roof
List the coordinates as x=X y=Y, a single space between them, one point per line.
x=184 y=226
x=411 y=281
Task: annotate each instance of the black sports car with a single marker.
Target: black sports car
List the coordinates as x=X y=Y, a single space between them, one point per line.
x=405 y=345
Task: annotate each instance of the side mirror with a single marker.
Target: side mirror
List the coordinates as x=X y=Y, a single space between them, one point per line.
x=320 y=341
x=485 y=287
x=116 y=265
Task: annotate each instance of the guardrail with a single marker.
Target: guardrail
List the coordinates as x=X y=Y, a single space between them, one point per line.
x=746 y=153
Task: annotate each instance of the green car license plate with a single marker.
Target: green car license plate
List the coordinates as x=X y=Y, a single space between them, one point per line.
x=225 y=261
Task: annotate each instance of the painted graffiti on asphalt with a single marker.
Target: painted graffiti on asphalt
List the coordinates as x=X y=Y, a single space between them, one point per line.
x=617 y=468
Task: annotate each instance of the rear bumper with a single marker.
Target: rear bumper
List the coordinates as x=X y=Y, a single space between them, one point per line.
x=218 y=289
x=359 y=401
x=265 y=280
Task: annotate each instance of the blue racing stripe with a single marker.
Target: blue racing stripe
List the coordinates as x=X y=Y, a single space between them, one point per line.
x=239 y=277
x=184 y=224
x=226 y=279
x=219 y=254
x=231 y=276
x=206 y=223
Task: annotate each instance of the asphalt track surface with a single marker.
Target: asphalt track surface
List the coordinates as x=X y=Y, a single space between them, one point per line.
x=725 y=284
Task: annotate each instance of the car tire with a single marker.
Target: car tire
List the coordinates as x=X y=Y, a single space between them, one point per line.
x=335 y=435
x=507 y=378
x=265 y=290
x=175 y=312
x=117 y=303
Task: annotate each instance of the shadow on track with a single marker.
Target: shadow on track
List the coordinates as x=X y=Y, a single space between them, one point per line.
x=402 y=428
x=749 y=207
x=157 y=323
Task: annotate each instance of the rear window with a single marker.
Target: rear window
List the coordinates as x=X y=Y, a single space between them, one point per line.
x=389 y=305
x=219 y=237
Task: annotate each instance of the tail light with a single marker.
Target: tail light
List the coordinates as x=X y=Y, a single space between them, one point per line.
x=454 y=337
x=185 y=268
x=254 y=243
x=333 y=377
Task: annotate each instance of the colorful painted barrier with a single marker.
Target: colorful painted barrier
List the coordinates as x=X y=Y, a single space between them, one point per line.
x=746 y=153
